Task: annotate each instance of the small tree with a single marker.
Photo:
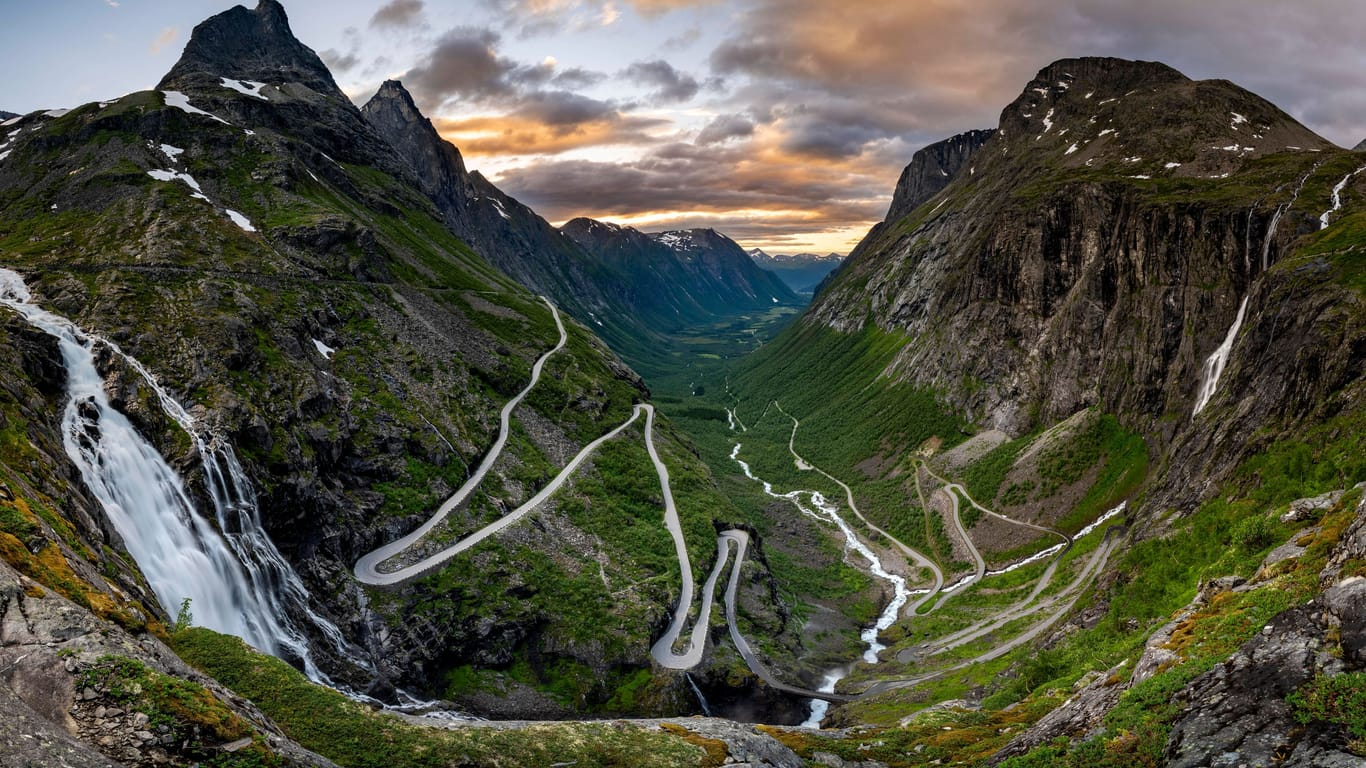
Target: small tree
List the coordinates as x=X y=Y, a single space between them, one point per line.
x=183 y=617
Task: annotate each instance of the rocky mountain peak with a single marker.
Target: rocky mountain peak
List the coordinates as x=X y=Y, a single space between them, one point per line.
x=932 y=168
x=253 y=45
x=1143 y=119
x=1360 y=147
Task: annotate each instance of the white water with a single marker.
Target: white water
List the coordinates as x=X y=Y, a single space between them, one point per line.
x=237 y=581
x=830 y=513
x=1337 y=197
x=706 y=708
x=820 y=706
x=1214 y=364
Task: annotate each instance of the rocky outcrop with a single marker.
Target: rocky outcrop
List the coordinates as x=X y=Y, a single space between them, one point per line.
x=933 y=168
x=254 y=45
x=53 y=717
x=1238 y=711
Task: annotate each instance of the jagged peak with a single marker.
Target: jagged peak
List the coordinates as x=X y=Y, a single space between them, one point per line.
x=393 y=90
x=253 y=45
x=932 y=168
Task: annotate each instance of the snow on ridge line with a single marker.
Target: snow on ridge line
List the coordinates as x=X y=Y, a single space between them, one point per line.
x=248 y=87
x=239 y=220
x=171 y=175
x=182 y=102
x=55 y=112
x=13 y=120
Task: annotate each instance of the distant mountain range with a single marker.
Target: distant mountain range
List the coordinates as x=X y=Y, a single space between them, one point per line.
x=801 y=271
x=627 y=285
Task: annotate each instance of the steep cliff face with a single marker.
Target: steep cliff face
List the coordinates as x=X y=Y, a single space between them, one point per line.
x=1096 y=249
x=933 y=168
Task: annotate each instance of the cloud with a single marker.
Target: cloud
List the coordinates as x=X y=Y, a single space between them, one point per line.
x=823 y=103
x=960 y=68
x=670 y=84
x=526 y=133
x=465 y=62
x=724 y=127
x=112 y=3
x=164 y=38
x=338 y=61
x=749 y=189
x=398 y=13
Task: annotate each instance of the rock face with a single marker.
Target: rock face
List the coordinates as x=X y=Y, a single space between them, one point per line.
x=252 y=45
x=1060 y=275
x=933 y=168
x=53 y=720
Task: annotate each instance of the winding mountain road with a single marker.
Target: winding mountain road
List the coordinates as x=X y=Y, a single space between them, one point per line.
x=918 y=558
x=367 y=567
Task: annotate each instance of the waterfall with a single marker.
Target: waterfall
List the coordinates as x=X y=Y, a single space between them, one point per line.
x=1214 y=365
x=237 y=581
x=706 y=708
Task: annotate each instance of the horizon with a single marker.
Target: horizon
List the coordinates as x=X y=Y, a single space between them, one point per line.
x=784 y=125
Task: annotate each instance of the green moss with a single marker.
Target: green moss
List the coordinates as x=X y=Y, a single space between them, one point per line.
x=188 y=712
x=355 y=736
x=1336 y=699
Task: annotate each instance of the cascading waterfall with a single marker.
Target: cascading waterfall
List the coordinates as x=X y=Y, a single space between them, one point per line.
x=237 y=581
x=1336 y=197
x=1214 y=364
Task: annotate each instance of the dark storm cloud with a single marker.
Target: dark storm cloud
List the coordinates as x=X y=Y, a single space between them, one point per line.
x=398 y=13
x=669 y=83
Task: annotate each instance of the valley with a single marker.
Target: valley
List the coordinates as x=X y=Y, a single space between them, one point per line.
x=318 y=448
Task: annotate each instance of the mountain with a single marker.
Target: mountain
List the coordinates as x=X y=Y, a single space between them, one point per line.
x=802 y=271
x=1139 y=296
x=630 y=287
x=933 y=168
x=679 y=279
x=7 y=115
x=244 y=348
x=1360 y=147
x=504 y=231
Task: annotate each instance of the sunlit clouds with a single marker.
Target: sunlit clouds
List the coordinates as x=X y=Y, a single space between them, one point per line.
x=784 y=123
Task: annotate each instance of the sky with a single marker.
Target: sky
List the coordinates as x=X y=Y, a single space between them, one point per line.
x=783 y=123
